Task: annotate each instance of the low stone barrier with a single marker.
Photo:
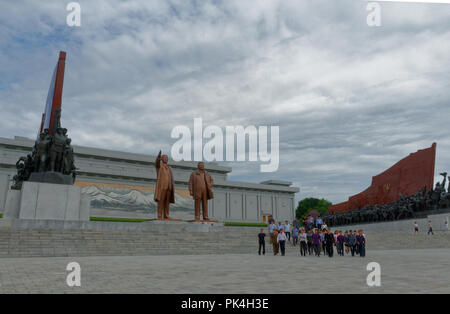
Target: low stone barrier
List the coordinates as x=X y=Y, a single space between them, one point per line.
x=155 y=225
x=400 y=226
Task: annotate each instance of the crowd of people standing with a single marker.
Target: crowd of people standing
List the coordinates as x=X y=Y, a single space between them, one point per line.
x=313 y=237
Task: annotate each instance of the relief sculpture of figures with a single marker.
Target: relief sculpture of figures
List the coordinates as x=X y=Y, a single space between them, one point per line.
x=405 y=208
x=164 y=189
x=200 y=188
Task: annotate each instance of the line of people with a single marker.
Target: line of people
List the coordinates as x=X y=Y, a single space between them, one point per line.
x=313 y=241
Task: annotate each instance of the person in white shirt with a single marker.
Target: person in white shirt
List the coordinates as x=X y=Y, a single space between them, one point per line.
x=303 y=240
x=430 y=228
x=282 y=241
x=287 y=230
x=416 y=227
x=272 y=227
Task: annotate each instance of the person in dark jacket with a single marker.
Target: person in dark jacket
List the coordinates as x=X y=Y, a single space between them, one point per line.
x=329 y=242
x=309 y=238
x=346 y=241
x=352 y=242
x=316 y=242
x=262 y=242
x=355 y=233
x=361 y=242
x=340 y=244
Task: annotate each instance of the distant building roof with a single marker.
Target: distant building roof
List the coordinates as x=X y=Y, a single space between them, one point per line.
x=277 y=182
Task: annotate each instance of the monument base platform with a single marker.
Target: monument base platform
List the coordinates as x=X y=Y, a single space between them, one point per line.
x=202 y=220
x=44 y=201
x=51 y=177
x=181 y=220
x=165 y=219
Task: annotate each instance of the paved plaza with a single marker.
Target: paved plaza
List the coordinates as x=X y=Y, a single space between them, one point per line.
x=402 y=271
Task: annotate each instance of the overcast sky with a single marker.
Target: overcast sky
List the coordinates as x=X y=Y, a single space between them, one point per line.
x=350 y=100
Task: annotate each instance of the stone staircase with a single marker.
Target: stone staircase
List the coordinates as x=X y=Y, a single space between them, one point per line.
x=232 y=240
x=34 y=243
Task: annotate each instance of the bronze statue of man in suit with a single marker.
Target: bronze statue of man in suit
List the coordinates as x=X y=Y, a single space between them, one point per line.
x=200 y=188
x=164 y=189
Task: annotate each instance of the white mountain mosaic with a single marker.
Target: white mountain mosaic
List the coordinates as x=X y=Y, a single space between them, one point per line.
x=131 y=200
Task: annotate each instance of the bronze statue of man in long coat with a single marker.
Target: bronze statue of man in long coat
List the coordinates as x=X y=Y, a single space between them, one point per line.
x=164 y=189
x=200 y=188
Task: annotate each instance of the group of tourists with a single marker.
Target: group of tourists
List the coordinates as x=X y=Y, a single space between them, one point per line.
x=310 y=223
x=312 y=241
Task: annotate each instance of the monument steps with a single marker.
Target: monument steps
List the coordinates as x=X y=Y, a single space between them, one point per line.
x=232 y=240
x=27 y=243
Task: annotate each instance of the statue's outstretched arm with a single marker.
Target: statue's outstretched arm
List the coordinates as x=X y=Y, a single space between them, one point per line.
x=158 y=161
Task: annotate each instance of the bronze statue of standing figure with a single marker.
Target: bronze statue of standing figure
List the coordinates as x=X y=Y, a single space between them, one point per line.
x=68 y=160
x=164 y=189
x=57 y=150
x=41 y=151
x=200 y=188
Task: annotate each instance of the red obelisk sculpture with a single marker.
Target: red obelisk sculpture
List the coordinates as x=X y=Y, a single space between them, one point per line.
x=54 y=97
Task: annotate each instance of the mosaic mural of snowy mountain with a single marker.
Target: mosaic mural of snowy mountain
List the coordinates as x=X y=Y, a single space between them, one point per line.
x=107 y=198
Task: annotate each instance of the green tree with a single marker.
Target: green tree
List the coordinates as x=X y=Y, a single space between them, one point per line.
x=310 y=203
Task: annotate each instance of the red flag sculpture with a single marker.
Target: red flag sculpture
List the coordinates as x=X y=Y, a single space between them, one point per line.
x=54 y=97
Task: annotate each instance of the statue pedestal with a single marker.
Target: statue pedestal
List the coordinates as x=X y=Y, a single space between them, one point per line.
x=202 y=220
x=51 y=177
x=44 y=201
x=165 y=219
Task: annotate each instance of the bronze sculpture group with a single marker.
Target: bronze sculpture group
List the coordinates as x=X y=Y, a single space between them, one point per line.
x=200 y=188
x=406 y=207
x=51 y=154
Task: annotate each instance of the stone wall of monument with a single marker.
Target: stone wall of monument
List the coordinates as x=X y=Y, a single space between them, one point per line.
x=401 y=226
